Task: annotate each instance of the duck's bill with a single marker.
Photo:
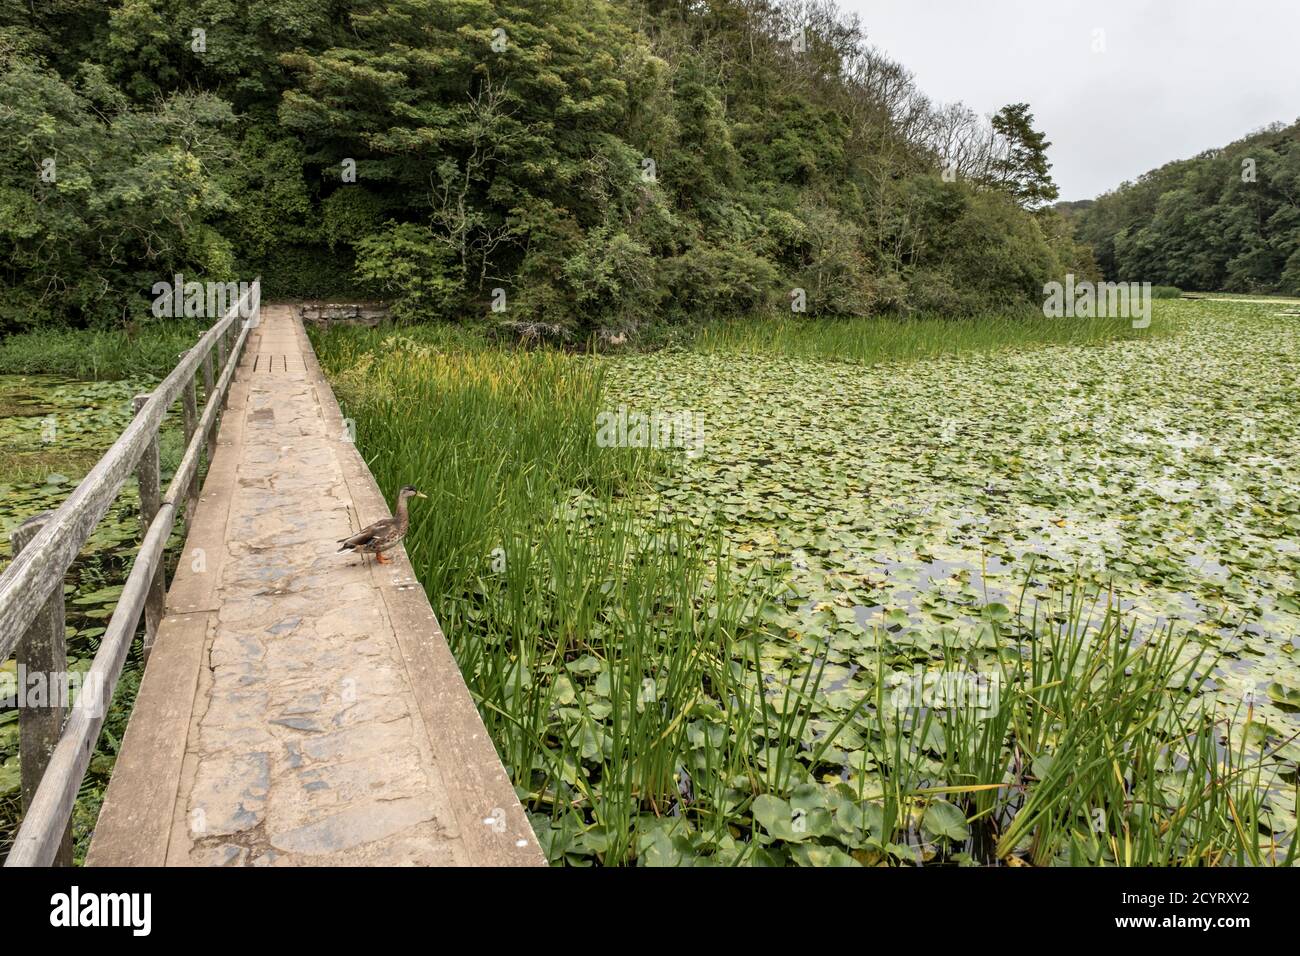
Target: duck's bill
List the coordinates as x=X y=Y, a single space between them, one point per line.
x=421 y=494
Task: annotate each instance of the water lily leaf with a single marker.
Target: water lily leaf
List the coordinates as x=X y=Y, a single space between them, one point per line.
x=943 y=819
x=587 y=664
x=11 y=777
x=789 y=823
x=814 y=854
x=563 y=691
x=1281 y=694
x=997 y=612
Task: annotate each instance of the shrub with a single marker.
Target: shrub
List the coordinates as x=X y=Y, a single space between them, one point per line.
x=729 y=278
x=350 y=214
x=412 y=266
x=612 y=278
x=305 y=272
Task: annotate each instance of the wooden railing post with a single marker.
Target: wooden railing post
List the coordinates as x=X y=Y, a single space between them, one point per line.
x=208 y=379
x=190 y=404
x=41 y=653
x=221 y=354
x=232 y=336
x=149 y=477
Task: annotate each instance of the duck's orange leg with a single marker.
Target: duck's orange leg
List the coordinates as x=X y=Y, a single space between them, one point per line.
x=379 y=556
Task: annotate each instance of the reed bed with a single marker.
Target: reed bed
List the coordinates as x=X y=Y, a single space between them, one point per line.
x=881 y=340
x=146 y=350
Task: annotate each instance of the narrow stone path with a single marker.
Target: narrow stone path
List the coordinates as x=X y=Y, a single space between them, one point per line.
x=301 y=707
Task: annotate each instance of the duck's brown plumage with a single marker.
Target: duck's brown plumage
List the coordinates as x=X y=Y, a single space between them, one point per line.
x=383 y=534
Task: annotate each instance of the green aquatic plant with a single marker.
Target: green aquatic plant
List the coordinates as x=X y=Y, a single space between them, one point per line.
x=147 y=350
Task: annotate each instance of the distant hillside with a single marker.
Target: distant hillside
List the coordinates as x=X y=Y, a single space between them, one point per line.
x=1228 y=219
x=1072 y=210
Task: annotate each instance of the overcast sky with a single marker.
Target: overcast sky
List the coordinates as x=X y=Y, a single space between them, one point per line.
x=1177 y=76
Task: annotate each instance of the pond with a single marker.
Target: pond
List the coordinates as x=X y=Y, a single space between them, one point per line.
x=52 y=431
x=897 y=512
x=1166 y=473
x=962 y=522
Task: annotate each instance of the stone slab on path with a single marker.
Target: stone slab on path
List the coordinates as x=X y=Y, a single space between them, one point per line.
x=301 y=707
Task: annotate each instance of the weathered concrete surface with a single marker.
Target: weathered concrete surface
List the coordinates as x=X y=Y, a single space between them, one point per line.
x=301 y=707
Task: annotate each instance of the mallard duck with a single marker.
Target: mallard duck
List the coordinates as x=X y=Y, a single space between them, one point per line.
x=384 y=534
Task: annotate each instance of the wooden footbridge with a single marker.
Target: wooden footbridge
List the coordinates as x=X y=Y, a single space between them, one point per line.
x=298 y=707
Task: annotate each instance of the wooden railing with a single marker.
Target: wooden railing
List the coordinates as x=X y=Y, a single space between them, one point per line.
x=54 y=754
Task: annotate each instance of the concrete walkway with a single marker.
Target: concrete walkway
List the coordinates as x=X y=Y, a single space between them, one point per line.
x=301 y=707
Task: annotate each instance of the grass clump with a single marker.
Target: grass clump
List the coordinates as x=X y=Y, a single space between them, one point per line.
x=150 y=350
x=1102 y=748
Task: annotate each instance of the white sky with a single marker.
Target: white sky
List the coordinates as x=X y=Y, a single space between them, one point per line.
x=1177 y=76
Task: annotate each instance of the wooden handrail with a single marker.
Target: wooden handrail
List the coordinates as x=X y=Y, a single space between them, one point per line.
x=42 y=560
x=33 y=575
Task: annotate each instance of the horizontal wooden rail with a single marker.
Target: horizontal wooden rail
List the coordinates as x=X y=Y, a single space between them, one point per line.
x=29 y=580
x=189 y=466
x=39 y=566
x=37 y=841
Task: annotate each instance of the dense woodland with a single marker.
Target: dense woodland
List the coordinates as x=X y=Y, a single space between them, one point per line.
x=1228 y=219
x=603 y=163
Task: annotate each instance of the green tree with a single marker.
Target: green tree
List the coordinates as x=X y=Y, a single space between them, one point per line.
x=1022 y=169
x=601 y=161
x=100 y=200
